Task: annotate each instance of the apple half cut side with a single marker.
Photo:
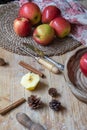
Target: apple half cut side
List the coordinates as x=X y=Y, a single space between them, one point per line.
x=30 y=81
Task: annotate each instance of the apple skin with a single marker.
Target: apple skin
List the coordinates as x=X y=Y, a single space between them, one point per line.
x=22 y=26
x=83 y=64
x=49 y=13
x=61 y=26
x=43 y=34
x=31 y=11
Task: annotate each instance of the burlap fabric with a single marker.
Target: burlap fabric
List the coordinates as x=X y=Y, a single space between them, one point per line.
x=10 y=41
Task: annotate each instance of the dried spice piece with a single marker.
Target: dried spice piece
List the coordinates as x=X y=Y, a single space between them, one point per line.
x=53 y=92
x=55 y=105
x=34 y=102
x=12 y=106
x=2 y=62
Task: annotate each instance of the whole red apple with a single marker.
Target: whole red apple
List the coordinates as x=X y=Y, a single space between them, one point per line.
x=61 y=26
x=83 y=64
x=49 y=13
x=43 y=34
x=32 y=11
x=22 y=26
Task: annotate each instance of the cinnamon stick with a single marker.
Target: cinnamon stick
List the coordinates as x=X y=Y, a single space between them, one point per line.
x=12 y=106
x=27 y=66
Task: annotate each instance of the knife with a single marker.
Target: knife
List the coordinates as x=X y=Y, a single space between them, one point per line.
x=41 y=54
x=42 y=61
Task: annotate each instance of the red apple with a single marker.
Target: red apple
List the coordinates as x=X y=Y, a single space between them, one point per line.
x=83 y=64
x=22 y=26
x=49 y=13
x=43 y=34
x=32 y=11
x=61 y=26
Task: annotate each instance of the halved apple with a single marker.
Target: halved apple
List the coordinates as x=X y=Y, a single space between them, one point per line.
x=30 y=81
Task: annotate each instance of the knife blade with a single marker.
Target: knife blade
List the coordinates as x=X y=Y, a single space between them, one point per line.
x=41 y=53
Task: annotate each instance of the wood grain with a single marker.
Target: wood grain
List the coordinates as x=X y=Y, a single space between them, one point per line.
x=71 y=117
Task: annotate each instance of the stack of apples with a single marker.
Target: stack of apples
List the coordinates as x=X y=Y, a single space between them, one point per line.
x=48 y=23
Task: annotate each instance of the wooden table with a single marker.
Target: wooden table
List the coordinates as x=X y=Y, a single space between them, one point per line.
x=72 y=117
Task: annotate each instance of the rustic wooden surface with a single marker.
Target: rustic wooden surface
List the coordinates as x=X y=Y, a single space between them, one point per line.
x=72 y=117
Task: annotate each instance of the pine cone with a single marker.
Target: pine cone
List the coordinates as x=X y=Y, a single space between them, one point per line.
x=52 y=92
x=34 y=102
x=55 y=105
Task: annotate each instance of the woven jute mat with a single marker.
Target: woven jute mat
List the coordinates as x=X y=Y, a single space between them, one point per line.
x=10 y=41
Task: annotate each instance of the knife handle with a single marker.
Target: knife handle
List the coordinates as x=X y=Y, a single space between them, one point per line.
x=48 y=65
x=58 y=65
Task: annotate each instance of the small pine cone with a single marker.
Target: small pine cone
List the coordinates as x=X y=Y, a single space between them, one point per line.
x=52 y=92
x=55 y=105
x=34 y=102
